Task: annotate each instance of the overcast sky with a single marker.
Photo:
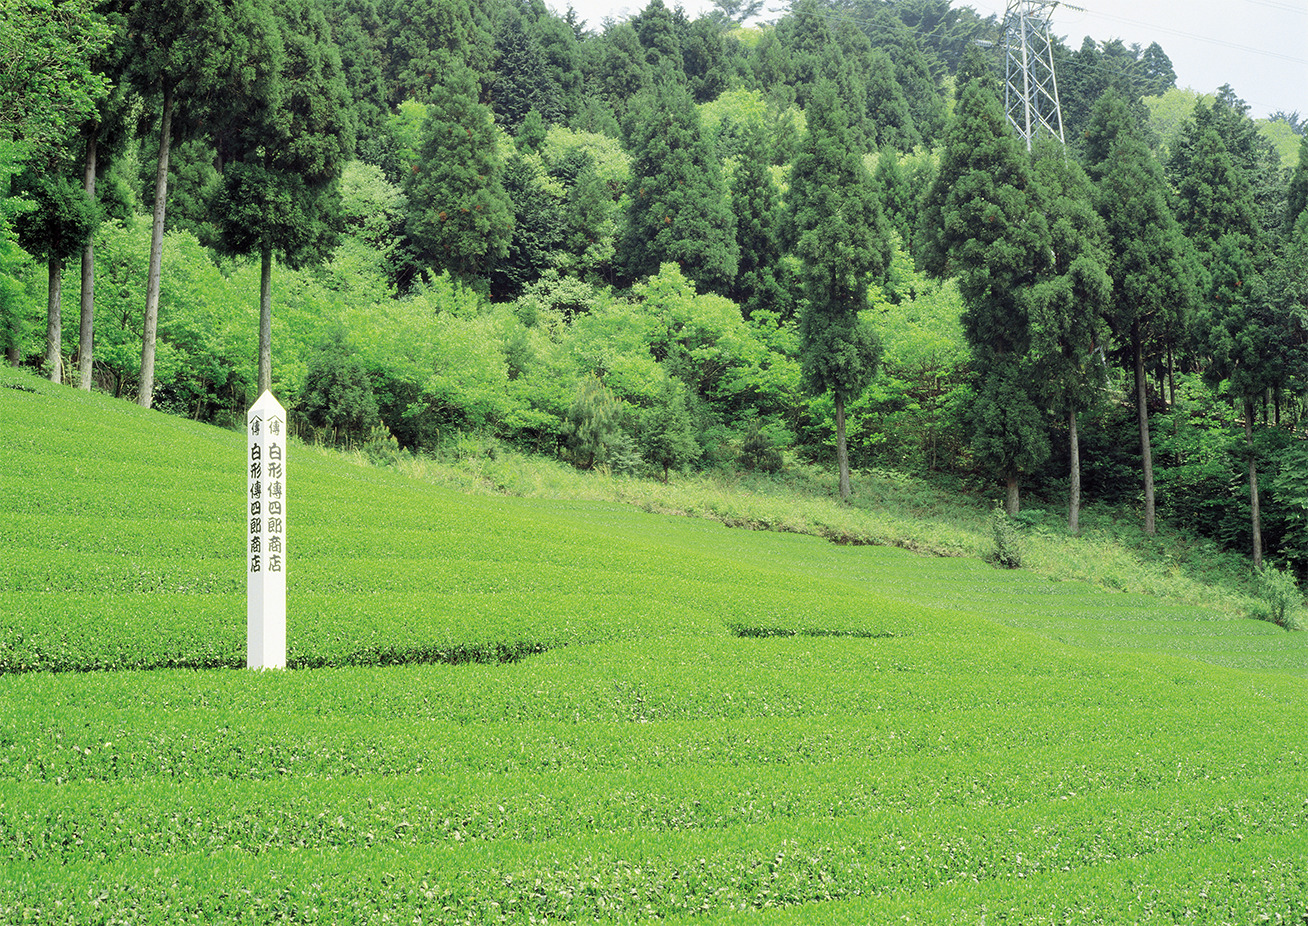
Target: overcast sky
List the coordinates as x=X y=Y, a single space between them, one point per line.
x=1259 y=47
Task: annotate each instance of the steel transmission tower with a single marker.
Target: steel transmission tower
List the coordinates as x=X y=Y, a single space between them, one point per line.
x=1030 y=87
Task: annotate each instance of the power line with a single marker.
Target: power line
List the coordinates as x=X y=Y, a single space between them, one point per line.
x=1283 y=7
x=1245 y=50
x=1263 y=52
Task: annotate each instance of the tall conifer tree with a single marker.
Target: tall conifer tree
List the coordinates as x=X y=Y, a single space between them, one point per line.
x=1296 y=194
x=1069 y=300
x=889 y=118
x=460 y=217
x=61 y=222
x=522 y=82
x=283 y=158
x=191 y=55
x=1149 y=258
x=897 y=200
x=1235 y=325
x=429 y=38
x=103 y=135
x=1244 y=348
x=839 y=234
x=620 y=73
x=1213 y=196
x=919 y=85
x=981 y=223
x=678 y=206
x=756 y=204
x=657 y=30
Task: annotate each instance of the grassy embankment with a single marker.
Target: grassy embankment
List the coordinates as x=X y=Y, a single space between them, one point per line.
x=705 y=724
x=886 y=509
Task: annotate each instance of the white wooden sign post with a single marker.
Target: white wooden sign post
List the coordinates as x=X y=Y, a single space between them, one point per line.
x=265 y=553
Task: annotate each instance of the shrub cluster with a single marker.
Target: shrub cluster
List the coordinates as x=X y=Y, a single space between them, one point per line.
x=1281 y=602
x=1006 y=551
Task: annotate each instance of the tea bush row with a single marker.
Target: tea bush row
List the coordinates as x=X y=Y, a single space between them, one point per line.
x=866 y=863
x=1067 y=821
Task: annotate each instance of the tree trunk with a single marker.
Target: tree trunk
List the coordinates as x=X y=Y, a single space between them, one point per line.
x=1074 y=503
x=1012 y=502
x=54 y=359
x=265 y=321
x=1142 y=406
x=1171 y=378
x=1256 y=521
x=842 y=452
x=146 y=397
x=86 y=333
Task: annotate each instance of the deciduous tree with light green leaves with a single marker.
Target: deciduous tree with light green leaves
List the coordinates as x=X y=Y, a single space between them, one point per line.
x=839 y=234
x=47 y=84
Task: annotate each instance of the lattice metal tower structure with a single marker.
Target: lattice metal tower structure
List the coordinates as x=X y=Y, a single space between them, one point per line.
x=1030 y=86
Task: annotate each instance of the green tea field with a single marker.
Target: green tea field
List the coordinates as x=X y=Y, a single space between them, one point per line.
x=512 y=711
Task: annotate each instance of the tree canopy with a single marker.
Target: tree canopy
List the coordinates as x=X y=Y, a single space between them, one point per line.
x=661 y=242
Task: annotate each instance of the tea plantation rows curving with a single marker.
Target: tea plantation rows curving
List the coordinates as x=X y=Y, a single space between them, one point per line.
x=524 y=712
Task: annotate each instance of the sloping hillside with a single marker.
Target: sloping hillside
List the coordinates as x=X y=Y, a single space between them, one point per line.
x=690 y=722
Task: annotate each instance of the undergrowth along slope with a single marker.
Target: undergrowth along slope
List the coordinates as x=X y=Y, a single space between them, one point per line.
x=887 y=508
x=124 y=530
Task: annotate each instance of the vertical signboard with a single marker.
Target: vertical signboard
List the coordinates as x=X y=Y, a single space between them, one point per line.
x=265 y=552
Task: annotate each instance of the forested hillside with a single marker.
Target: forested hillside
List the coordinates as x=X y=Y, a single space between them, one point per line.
x=662 y=243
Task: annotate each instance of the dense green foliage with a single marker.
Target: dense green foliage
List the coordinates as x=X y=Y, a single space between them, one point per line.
x=48 y=83
x=750 y=241
x=460 y=218
x=677 y=207
x=1150 y=260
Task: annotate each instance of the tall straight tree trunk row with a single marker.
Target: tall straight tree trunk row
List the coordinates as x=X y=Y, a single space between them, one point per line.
x=1256 y=525
x=86 y=327
x=1142 y=410
x=146 y=397
x=54 y=360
